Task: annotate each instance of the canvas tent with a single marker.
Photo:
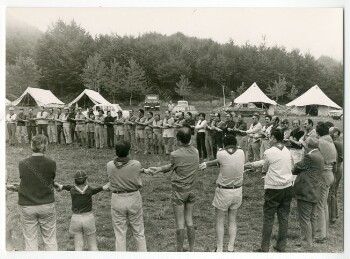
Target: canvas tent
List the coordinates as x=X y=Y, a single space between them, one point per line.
x=255 y=95
x=89 y=98
x=313 y=102
x=38 y=97
x=7 y=102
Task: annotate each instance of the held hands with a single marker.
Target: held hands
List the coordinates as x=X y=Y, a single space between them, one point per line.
x=154 y=170
x=58 y=187
x=12 y=187
x=106 y=187
x=203 y=166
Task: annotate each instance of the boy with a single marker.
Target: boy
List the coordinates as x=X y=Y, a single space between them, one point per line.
x=83 y=220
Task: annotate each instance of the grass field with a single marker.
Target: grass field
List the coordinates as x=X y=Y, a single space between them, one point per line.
x=158 y=216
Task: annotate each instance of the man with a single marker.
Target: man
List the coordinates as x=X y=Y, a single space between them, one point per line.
x=209 y=137
x=21 y=130
x=278 y=190
x=338 y=172
x=200 y=135
x=51 y=127
x=119 y=126
x=66 y=121
x=41 y=121
x=72 y=124
x=11 y=126
x=286 y=132
x=329 y=153
x=36 y=201
x=309 y=130
x=307 y=190
x=296 y=147
x=109 y=122
x=241 y=125
x=90 y=130
x=170 y=106
x=168 y=132
x=59 y=126
x=80 y=127
x=229 y=125
x=148 y=132
x=157 y=134
x=31 y=124
x=228 y=193
x=140 y=131
x=126 y=201
x=217 y=128
x=130 y=128
x=265 y=135
x=184 y=164
x=99 y=136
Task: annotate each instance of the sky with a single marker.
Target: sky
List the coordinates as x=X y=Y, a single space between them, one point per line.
x=318 y=31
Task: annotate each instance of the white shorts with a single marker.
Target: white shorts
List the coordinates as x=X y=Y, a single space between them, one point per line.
x=168 y=133
x=226 y=199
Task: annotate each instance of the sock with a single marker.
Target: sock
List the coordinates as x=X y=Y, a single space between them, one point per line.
x=180 y=237
x=191 y=237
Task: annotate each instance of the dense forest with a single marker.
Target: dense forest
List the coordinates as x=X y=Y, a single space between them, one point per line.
x=66 y=59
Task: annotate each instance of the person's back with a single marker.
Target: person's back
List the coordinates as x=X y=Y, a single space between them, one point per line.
x=231 y=167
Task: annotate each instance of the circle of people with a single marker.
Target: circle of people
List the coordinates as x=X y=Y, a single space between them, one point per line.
x=306 y=165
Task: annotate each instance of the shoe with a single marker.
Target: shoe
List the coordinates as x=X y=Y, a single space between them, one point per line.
x=259 y=250
x=320 y=240
x=277 y=249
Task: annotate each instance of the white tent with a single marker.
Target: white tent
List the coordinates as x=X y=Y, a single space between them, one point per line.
x=38 y=97
x=314 y=102
x=254 y=95
x=7 y=102
x=89 y=98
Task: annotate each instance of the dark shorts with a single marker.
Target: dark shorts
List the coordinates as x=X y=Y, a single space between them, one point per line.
x=180 y=198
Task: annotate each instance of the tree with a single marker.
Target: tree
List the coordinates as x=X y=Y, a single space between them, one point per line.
x=135 y=79
x=24 y=73
x=293 y=93
x=94 y=74
x=241 y=89
x=115 y=79
x=278 y=89
x=183 y=87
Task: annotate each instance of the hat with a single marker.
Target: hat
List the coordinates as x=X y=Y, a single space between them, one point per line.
x=11 y=109
x=80 y=175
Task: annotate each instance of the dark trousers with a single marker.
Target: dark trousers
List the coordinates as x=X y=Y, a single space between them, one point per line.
x=59 y=132
x=110 y=136
x=42 y=129
x=72 y=132
x=276 y=200
x=31 y=130
x=217 y=142
x=201 y=145
x=307 y=214
x=91 y=139
x=333 y=193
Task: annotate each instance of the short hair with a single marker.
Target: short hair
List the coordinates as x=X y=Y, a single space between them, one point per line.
x=50 y=109
x=309 y=121
x=39 y=143
x=182 y=113
x=184 y=135
x=189 y=113
x=157 y=115
x=256 y=115
x=296 y=120
x=217 y=114
x=202 y=114
x=131 y=110
x=329 y=124
x=285 y=121
x=268 y=116
x=21 y=109
x=277 y=120
x=150 y=113
x=81 y=179
x=322 y=129
x=59 y=109
x=336 y=129
x=122 y=148
x=108 y=112
x=277 y=134
x=30 y=109
x=312 y=142
x=229 y=140
x=142 y=111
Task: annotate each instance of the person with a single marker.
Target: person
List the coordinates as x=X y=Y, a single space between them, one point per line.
x=209 y=137
x=265 y=135
x=229 y=125
x=31 y=124
x=21 y=130
x=168 y=132
x=286 y=132
x=190 y=122
x=126 y=201
x=99 y=136
x=338 y=172
x=200 y=128
x=217 y=128
x=41 y=121
x=275 y=121
x=242 y=138
x=11 y=126
x=296 y=146
x=66 y=121
x=80 y=127
x=36 y=201
x=329 y=153
x=307 y=190
x=119 y=126
x=59 y=126
x=278 y=190
x=170 y=106
x=253 y=141
x=51 y=127
x=148 y=132
x=83 y=220
x=140 y=134
x=228 y=192
x=179 y=123
x=309 y=130
x=72 y=124
x=90 y=130
x=157 y=126
x=109 y=122
x=130 y=129
x=184 y=163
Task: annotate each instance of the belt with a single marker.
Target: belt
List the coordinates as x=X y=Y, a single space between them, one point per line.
x=228 y=187
x=125 y=191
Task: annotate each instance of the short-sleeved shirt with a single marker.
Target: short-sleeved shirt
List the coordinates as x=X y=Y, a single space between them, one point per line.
x=108 y=120
x=131 y=119
x=20 y=119
x=184 y=164
x=149 y=122
x=157 y=123
x=140 y=120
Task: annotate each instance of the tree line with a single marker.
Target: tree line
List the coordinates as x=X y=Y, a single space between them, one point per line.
x=66 y=59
